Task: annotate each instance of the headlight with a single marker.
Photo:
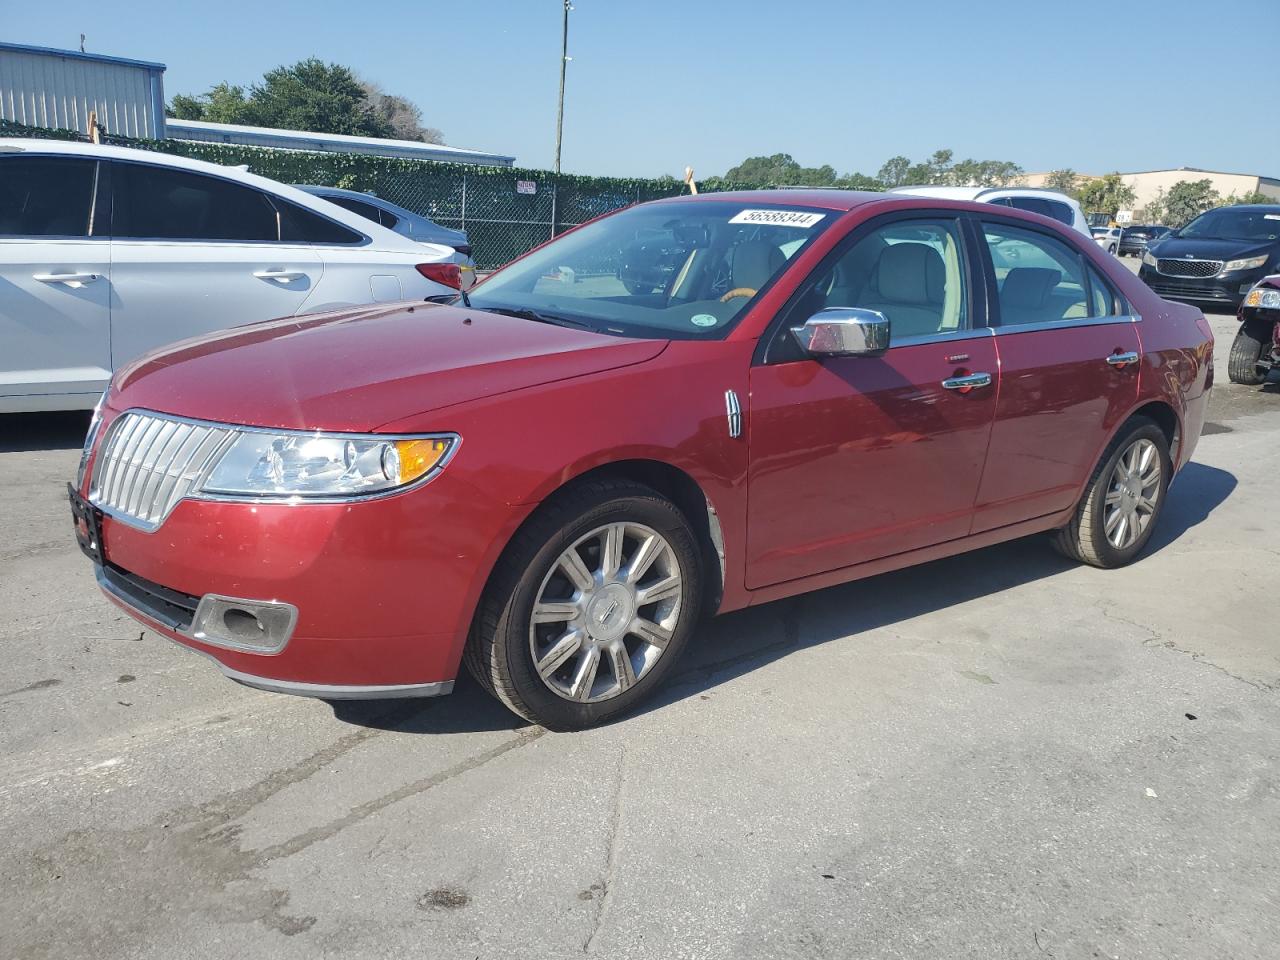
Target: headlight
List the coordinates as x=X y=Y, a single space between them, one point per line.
x=1248 y=263
x=95 y=423
x=303 y=465
x=1267 y=298
x=1149 y=258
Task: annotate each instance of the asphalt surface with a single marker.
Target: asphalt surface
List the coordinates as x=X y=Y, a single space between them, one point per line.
x=997 y=755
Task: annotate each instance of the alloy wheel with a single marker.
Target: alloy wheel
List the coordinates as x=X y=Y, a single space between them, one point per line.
x=605 y=612
x=1132 y=494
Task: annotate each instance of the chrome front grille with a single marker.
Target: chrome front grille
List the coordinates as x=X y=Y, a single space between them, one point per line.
x=1189 y=268
x=148 y=462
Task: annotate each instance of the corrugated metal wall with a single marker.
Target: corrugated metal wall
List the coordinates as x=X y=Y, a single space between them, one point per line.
x=48 y=90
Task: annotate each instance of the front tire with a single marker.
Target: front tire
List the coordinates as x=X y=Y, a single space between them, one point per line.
x=590 y=607
x=1123 y=500
x=1246 y=351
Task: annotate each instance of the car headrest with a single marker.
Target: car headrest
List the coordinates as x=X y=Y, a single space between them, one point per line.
x=754 y=262
x=910 y=273
x=1026 y=287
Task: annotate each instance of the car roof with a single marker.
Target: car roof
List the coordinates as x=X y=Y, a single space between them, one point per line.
x=382 y=236
x=827 y=199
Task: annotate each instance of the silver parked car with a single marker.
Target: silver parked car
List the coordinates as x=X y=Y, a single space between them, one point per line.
x=393 y=217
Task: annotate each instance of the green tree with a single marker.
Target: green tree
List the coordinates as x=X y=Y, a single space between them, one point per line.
x=1065 y=181
x=1187 y=199
x=894 y=172
x=1253 y=196
x=1154 y=210
x=780 y=170
x=310 y=95
x=1106 y=195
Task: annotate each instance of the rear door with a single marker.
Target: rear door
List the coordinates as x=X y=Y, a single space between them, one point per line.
x=1068 y=349
x=55 y=283
x=192 y=253
x=857 y=458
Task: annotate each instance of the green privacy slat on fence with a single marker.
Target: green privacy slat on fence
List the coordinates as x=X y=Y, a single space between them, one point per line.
x=500 y=222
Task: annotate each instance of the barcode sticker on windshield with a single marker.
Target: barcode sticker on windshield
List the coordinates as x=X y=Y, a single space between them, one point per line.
x=1271 y=216
x=778 y=218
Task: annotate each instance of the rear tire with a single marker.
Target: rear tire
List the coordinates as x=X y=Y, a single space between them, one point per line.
x=1246 y=351
x=578 y=660
x=1126 y=492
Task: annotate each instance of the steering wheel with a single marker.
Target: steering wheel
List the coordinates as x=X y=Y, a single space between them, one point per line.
x=737 y=292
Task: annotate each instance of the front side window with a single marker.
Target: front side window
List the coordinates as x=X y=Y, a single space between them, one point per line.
x=684 y=270
x=46 y=196
x=1042 y=279
x=909 y=270
x=152 y=202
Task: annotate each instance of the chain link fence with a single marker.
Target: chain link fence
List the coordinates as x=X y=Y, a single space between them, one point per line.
x=505 y=211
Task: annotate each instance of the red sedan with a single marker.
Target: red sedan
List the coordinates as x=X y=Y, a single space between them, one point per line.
x=687 y=407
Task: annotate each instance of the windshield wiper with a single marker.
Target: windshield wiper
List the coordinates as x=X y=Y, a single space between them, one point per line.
x=524 y=313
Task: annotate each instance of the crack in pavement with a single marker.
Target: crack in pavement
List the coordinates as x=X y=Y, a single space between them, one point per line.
x=196 y=863
x=1154 y=637
x=606 y=881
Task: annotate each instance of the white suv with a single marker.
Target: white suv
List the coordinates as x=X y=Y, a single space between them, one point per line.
x=1048 y=203
x=106 y=253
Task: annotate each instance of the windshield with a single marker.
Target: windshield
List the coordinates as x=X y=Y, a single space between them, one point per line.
x=672 y=270
x=1235 y=223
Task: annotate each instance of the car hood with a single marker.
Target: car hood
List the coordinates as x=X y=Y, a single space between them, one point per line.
x=1196 y=248
x=357 y=370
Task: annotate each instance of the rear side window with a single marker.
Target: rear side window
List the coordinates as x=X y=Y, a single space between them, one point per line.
x=1042 y=279
x=168 y=204
x=387 y=218
x=1046 y=208
x=299 y=225
x=46 y=196
x=366 y=210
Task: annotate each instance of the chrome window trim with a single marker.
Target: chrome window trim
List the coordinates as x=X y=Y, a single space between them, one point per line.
x=1068 y=324
x=973 y=333
x=281 y=499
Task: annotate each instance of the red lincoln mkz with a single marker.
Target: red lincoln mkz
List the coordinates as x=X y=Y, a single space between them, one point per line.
x=689 y=406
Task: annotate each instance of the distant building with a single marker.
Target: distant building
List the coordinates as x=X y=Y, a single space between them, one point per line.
x=328 y=142
x=42 y=87
x=1147 y=184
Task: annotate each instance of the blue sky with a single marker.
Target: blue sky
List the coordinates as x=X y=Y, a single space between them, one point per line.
x=656 y=84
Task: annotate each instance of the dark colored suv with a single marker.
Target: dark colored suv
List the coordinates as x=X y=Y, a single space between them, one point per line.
x=1217 y=257
x=1135 y=239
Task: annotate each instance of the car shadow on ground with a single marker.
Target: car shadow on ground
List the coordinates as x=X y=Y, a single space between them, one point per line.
x=738 y=643
x=43 y=431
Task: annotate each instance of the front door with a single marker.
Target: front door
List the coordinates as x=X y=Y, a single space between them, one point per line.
x=857 y=458
x=193 y=253
x=1069 y=353
x=55 y=284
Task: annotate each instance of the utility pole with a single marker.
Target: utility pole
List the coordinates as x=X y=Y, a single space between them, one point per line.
x=564 y=59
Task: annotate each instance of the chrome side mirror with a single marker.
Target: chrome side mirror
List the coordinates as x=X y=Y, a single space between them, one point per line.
x=844 y=332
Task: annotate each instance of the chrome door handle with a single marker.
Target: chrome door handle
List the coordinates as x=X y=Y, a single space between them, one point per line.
x=65 y=277
x=965 y=384
x=1122 y=360
x=284 y=276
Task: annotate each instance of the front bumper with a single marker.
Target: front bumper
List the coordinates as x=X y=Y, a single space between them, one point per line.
x=1227 y=288
x=383 y=589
